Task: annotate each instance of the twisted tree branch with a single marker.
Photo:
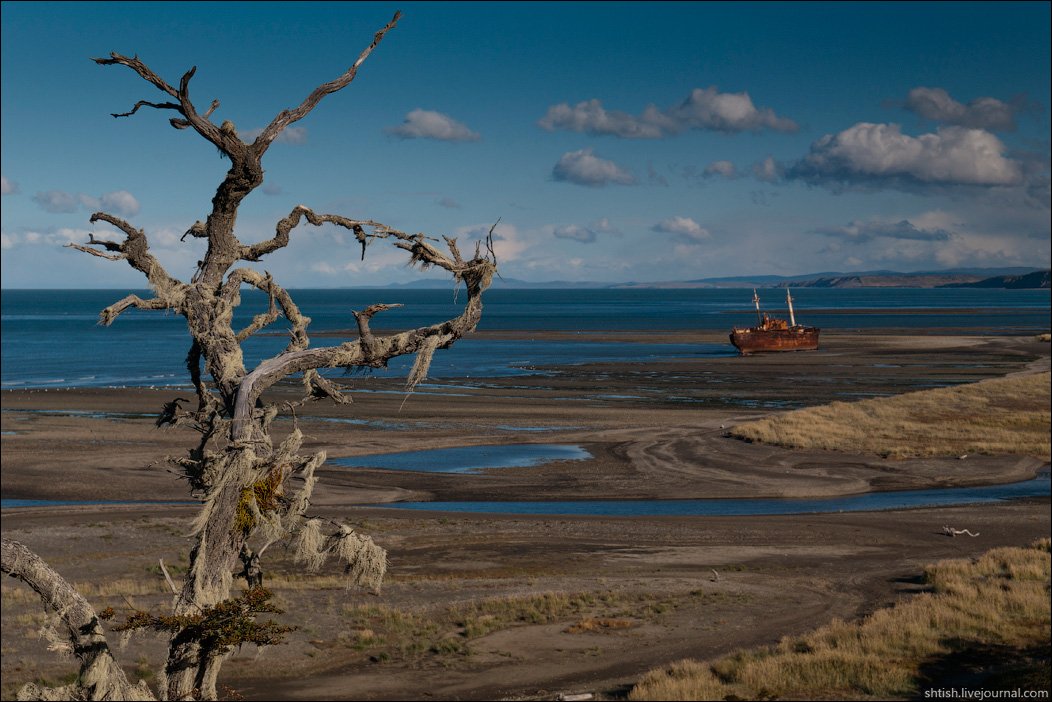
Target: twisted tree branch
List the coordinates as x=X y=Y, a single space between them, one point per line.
x=287 y=117
x=100 y=677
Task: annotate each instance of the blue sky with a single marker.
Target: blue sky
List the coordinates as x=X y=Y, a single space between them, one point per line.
x=615 y=141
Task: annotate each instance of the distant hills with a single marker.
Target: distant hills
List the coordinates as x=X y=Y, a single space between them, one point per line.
x=1009 y=278
x=1037 y=279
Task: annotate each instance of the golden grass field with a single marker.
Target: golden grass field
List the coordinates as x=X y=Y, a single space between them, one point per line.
x=1006 y=416
x=995 y=606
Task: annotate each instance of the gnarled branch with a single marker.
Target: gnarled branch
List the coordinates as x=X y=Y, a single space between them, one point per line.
x=287 y=117
x=224 y=140
x=477 y=273
x=136 y=250
x=109 y=314
x=100 y=677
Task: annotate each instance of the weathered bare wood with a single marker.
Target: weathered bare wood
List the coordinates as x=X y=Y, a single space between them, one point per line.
x=245 y=480
x=288 y=117
x=100 y=677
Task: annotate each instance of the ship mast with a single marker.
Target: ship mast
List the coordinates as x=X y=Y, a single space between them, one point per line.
x=756 y=301
x=789 y=299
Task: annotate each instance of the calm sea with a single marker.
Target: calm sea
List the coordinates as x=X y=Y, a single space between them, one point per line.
x=50 y=338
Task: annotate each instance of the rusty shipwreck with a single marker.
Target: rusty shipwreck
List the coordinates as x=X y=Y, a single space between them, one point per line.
x=771 y=334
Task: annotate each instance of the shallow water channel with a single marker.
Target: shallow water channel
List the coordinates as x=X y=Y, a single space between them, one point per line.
x=868 y=502
x=467 y=459
x=472 y=459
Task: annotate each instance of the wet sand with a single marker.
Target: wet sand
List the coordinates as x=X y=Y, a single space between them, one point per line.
x=655 y=431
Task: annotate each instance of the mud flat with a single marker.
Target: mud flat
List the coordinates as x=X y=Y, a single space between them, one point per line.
x=491 y=606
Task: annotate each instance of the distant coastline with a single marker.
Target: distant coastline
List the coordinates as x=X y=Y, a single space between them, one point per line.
x=1017 y=278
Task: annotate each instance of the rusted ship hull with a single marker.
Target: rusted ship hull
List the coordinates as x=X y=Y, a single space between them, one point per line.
x=757 y=340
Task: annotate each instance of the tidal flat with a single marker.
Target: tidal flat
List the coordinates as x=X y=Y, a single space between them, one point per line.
x=528 y=607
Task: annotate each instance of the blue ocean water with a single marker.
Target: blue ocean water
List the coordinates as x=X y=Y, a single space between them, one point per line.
x=50 y=338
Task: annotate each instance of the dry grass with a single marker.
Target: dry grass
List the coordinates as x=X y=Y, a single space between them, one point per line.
x=995 y=607
x=1002 y=416
x=593 y=625
x=391 y=633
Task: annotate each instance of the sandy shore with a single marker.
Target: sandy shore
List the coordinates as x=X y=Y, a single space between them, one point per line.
x=654 y=430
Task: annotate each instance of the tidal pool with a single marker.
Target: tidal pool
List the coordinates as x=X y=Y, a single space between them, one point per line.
x=467 y=459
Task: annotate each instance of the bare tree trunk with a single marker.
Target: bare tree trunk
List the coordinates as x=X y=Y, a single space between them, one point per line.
x=246 y=481
x=100 y=677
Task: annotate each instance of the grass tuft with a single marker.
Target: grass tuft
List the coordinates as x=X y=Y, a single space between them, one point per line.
x=1001 y=416
x=993 y=610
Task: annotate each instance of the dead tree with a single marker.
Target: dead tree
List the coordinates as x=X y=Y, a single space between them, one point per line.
x=255 y=491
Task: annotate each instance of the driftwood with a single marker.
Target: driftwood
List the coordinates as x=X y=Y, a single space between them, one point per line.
x=950 y=531
x=253 y=491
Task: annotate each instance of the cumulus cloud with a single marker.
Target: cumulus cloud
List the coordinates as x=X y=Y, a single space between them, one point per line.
x=591 y=117
x=507 y=241
x=7 y=187
x=708 y=108
x=574 y=232
x=56 y=201
x=685 y=229
x=720 y=169
x=860 y=232
x=938 y=239
x=981 y=113
x=585 y=234
x=121 y=202
x=768 y=170
x=880 y=154
x=704 y=108
x=585 y=168
x=427 y=124
x=60 y=202
x=47 y=237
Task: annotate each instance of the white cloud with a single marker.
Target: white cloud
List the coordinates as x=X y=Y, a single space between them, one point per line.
x=768 y=170
x=727 y=112
x=56 y=201
x=7 y=187
x=427 y=124
x=864 y=231
x=289 y=135
x=574 y=232
x=59 y=202
x=704 y=108
x=292 y=135
x=48 y=237
x=585 y=168
x=508 y=242
x=585 y=234
x=685 y=229
x=121 y=202
x=935 y=239
x=722 y=169
x=881 y=154
x=590 y=117
x=981 y=113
